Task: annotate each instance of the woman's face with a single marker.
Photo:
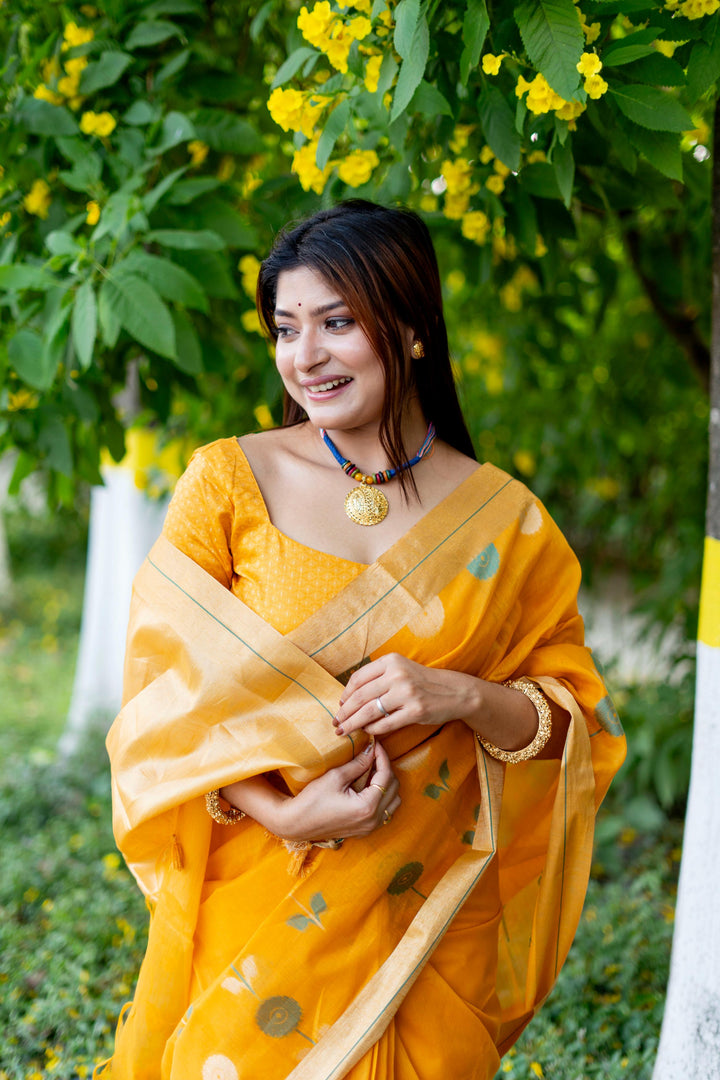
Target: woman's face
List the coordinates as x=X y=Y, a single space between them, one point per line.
x=324 y=359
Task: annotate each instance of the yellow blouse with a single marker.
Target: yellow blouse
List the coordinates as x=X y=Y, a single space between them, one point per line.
x=218 y=518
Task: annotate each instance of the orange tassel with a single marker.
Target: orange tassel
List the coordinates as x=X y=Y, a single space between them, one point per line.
x=177 y=859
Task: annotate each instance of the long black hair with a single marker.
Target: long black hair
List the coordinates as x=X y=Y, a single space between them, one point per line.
x=382 y=263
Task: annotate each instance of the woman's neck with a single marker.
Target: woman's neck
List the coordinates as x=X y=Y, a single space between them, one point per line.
x=362 y=446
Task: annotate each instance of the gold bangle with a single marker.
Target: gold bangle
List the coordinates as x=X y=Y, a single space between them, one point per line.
x=533 y=691
x=216 y=812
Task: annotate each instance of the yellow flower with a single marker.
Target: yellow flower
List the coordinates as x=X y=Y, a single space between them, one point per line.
x=250 y=183
x=456 y=206
x=305 y=168
x=93 y=212
x=486 y=155
x=4 y=219
x=101 y=124
x=501 y=168
x=226 y=167
x=536 y=1068
x=37 y=200
x=264 y=416
x=372 y=73
x=589 y=64
x=570 y=110
x=359 y=27
x=251 y=321
x=595 y=85
x=22 y=399
x=522 y=87
x=249 y=267
x=76 y=66
x=313 y=106
x=314 y=25
x=286 y=108
x=337 y=48
x=360 y=5
x=457 y=175
x=475 y=226
x=590 y=30
x=695 y=9
x=461 y=137
x=526 y=464
x=76 y=35
x=50 y=68
x=198 y=151
x=357 y=168
x=491 y=64
x=667 y=48
x=69 y=85
x=535 y=156
x=496 y=184
x=541 y=98
x=44 y=93
x=540 y=247
x=428 y=202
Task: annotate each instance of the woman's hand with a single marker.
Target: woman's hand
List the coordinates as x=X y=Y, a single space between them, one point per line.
x=329 y=807
x=392 y=692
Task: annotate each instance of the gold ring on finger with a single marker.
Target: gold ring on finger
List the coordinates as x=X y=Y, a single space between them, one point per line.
x=387 y=817
x=380 y=787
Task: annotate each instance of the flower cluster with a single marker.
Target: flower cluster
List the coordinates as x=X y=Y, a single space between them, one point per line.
x=357 y=168
x=249 y=267
x=101 y=124
x=58 y=88
x=693 y=9
x=304 y=165
x=459 y=187
x=198 y=152
x=93 y=212
x=590 y=66
x=37 y=200
x=295 y=110
x=331 y=34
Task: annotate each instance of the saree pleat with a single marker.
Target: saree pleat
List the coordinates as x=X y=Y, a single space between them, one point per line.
x=421 y=951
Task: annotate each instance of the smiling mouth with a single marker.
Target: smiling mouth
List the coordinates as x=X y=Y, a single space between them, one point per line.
x=321 y=388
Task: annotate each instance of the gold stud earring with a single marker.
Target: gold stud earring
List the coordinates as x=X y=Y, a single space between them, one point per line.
x=418 y=350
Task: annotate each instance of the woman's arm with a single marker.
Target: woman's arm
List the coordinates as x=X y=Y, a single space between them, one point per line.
x=326 y=808
x=413 y=694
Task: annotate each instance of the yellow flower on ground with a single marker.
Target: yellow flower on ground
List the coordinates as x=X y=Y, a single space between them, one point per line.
x=461 y=137
x=372 y=73
x=249 y=267
x=475 y=226
x=496 y=184
x=37 y=200
x=595 y=85
x=44 y=93
x=357 y=168
x=491 y=64
x=304 y=166
x=101 y=124
x=198 y=151
x=457 y=175
x=286 y=108
x=93 y=212
x=76 y=35
x=264 y=417
x=589 y=64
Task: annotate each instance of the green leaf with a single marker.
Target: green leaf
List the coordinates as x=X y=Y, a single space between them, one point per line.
x=258 y=24
x=174 y=65
x=114 y=216
x=428 y=101
x=186 y=239
x=221 y=218
x=299 y=922
x=432 y=791
x=171 y=281
x=59 y=242
x=660 y=148
x=407 y=17
x=626 y=55
x=141 y=312
x=540 y=179
x=652 y=108
x=141 y=113
x=412 y=69
x=105 y=71
x=54 y=442
x=563 y=163
x=658 y=70
x=226 y=132
x=475 y=27
x=186 y=191
x=703 y=68
x=42 y=118
x=294 y=61
x=153 y=197
x=189 y=353
x=331 y=132
x=108 y=319
x=150 y=33
x=27 y=356
x=498 y=123
x=84 y=324
x=174 y=7
x=388 y=70
x=212 y=270
x=553 y=40
x=18 y=276
x=176 y=128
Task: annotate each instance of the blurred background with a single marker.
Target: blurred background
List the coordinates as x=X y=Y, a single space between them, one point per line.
x=149 y=153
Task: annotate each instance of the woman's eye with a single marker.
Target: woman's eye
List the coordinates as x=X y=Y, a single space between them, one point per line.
x=339 y=323
x=284 y=331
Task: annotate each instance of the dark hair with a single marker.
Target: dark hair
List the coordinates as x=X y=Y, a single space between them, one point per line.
x=382 y=262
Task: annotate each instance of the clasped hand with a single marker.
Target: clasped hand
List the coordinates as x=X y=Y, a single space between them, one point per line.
x=391 y=692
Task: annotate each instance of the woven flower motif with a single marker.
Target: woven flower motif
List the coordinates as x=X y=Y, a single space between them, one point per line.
x=485 y=565
x=219 y=1067
x=277 y=1017
x=405 y=878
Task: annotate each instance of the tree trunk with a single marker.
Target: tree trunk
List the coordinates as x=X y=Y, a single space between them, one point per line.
x=690 y=1036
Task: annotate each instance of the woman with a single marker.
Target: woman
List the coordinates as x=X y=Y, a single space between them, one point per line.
x=363 y=742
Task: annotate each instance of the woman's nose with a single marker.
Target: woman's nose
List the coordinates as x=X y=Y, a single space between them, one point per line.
x=308 y=350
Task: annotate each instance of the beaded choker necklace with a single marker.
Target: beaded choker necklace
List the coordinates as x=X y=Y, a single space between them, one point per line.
x=366 y=505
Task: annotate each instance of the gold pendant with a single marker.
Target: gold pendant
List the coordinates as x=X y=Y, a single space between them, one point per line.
x=366 y=505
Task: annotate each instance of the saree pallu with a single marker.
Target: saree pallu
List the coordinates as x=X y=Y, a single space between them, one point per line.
x=421 y=951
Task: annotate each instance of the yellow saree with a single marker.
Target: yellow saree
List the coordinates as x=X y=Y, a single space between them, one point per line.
x=421 y=951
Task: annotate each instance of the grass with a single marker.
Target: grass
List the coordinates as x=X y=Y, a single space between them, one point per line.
x=73 y=923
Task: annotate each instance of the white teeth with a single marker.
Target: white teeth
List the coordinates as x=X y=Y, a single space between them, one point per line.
x=329 y=385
